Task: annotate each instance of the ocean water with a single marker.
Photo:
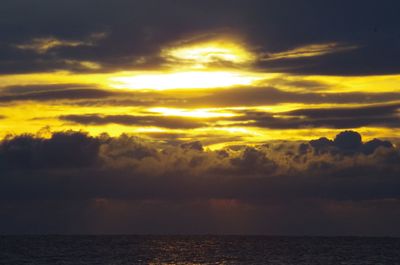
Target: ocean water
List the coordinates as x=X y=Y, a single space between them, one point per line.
x=118 y=250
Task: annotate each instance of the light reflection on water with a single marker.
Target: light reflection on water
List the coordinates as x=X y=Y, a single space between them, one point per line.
x=118 y=250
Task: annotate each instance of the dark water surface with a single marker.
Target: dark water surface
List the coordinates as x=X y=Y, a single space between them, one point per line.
x=116 y=250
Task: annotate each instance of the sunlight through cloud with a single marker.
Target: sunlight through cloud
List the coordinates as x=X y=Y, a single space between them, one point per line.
x=184 y=80
x=199 y=55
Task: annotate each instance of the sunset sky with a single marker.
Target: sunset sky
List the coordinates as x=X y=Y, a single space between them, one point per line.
x=182 y=116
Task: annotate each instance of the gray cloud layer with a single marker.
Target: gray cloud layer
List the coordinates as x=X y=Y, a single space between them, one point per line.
x=241 y=96
x=158 y=121
x=75 y=168
x=386 y=116
x=343 y=118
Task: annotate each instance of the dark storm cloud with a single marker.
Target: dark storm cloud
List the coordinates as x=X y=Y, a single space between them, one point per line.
x=158 y=121
x=341 y=169
x=135 y=31
x=94 y=179
x=62 y=150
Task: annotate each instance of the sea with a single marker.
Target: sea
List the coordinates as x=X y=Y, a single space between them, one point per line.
x=129 y=250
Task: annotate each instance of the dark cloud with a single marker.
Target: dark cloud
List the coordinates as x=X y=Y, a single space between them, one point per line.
x=348 y=117
x=22 y=89
x=87 y=95
x=51 y=95
x=258 y=96
x=62 y=150
x=370 y=146
x=349 y=142
x=119 y=175
x=158 y=121
x=367 y=111
x=385 y=116
x=78 y=95
x=136 y=31
x=346 y=63
x=193 y=145
x=72 y=182
x=145 y=169
x=83 y=95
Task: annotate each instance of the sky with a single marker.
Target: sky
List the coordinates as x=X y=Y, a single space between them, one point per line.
x=198 y=117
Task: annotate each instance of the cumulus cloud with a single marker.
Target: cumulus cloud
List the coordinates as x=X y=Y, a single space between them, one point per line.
x=74 y=182
x=134 y=162
x=120 y=174
x=62 y=150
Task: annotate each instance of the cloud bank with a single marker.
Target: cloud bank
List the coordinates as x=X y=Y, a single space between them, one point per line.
x=100 y=175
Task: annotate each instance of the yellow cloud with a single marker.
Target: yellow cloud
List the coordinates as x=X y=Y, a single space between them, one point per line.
x=200 y=55
x=43 y=45
x=366 y=84
x=308 y=51
x=85 y=64
x=195 y=69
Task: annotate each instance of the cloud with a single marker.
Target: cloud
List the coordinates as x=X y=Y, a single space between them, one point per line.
x=107 y=176
x=158 y=121
x=22 y=89
x=386 y=116
x=81 y=94
x=62 y=150
x=153 y=169
x=249 y=96
x=133 y=37
x=311 y=50
x=367 y=111
x=68 y=94
x=259 y=96
x=72 y=182
x=349 y=142
x=42 y=45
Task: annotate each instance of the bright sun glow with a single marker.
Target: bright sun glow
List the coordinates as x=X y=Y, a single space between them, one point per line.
x=192 y=113
x=194 y=56
x=182 y=80
x=199 y=55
